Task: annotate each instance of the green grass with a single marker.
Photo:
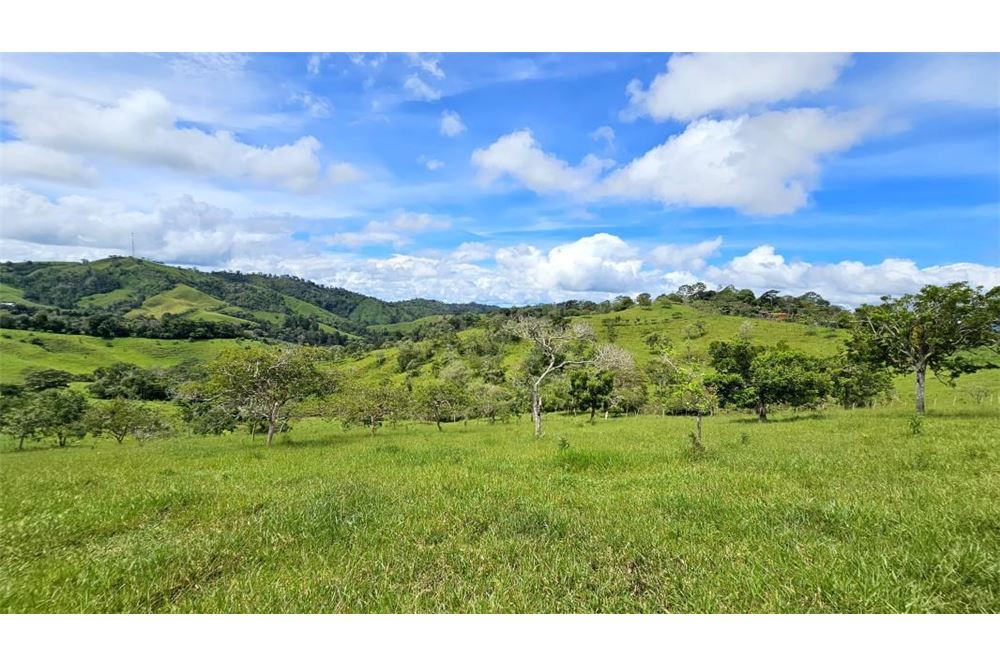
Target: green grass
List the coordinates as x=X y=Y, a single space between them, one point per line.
x=82 y=354
x=815 y=512
x=211 y=316
x=180 y=299
x=10 y=294
x=107 y=298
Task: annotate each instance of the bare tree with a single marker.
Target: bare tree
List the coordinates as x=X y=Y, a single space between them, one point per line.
x=554 y=347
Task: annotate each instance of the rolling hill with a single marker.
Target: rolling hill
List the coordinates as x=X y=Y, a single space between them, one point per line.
x=131 y=287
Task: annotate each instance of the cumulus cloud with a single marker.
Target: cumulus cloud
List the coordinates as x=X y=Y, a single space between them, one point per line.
x=686 y=256
x=702 y=83
x=180 y=230
x=846 y=283
x=420 y=89
x=186 y=231
x=763 y=165
x=598 y=263
x=397 y=231
x=519 y=156
x=451 y=124
x=142 y=128
x=18 y=158
x=471 y=251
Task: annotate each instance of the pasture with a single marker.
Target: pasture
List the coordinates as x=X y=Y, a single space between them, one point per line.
x=835 y=511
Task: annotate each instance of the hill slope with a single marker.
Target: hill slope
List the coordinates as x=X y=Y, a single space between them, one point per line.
x=141 y=287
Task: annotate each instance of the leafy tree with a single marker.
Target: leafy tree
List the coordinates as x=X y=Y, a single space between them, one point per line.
x=554 y=347
x=591 y=389
x=263 y=383
x=370 y=406
x=124 y=380
x=121 y=418
x=440 y=401
x=644 y=300
x=19 y=417
x=493 y=401
x=60 y=414
x=628 y=390
x=856 y=384
x=928 y=331
x=685 y=390
x=749 y=376
x=47 y=378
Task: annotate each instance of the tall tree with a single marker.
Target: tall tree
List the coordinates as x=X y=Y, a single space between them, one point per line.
x=554 y=348
x=60 y=413
x=590 y=389
x=928 y=331
x=121 y=417
x=263 y=383
x=750 y=376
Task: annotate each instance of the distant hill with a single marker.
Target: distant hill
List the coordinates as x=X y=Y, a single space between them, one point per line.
x=138 y=288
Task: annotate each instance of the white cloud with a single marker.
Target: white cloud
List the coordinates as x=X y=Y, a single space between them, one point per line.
x=427 y=63
x=189 y=232
x=849 y=282
x=343 y=172
x=420 y=90
x=141 y=128
x=316 y=106
x=315 y=63
x=431 y=163
x=519 y=156
x=686 y=256
x=18 y=158
x=209 y=65
x=968 y=79
x=397 y=231
x=606 y=134
x=762 y=165
x=598 y=263
x=451 y=124
x=702 y=83
x=471 y=251
x=181 y=230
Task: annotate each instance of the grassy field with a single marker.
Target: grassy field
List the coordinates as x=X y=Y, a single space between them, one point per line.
x=83 y=354
x=816 y=512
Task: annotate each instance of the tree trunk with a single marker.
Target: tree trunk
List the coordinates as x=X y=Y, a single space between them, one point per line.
x=921 y=380
x=536 y=411
x=437 y=422
x=697 y=433
x=593 y=412
x=20 y=442
x=761 y=412
x=270 y=432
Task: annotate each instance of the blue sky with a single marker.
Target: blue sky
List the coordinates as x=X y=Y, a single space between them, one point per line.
x=513 y=178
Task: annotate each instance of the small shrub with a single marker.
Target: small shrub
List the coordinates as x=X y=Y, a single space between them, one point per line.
x=744 y=438
x=562 y=443
x=916 y=425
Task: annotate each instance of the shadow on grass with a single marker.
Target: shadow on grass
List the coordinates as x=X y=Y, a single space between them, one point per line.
x=783 y=419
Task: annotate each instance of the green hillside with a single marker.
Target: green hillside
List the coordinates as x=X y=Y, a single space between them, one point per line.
x=23 y=351
x=177 y=301
x=126 y=286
